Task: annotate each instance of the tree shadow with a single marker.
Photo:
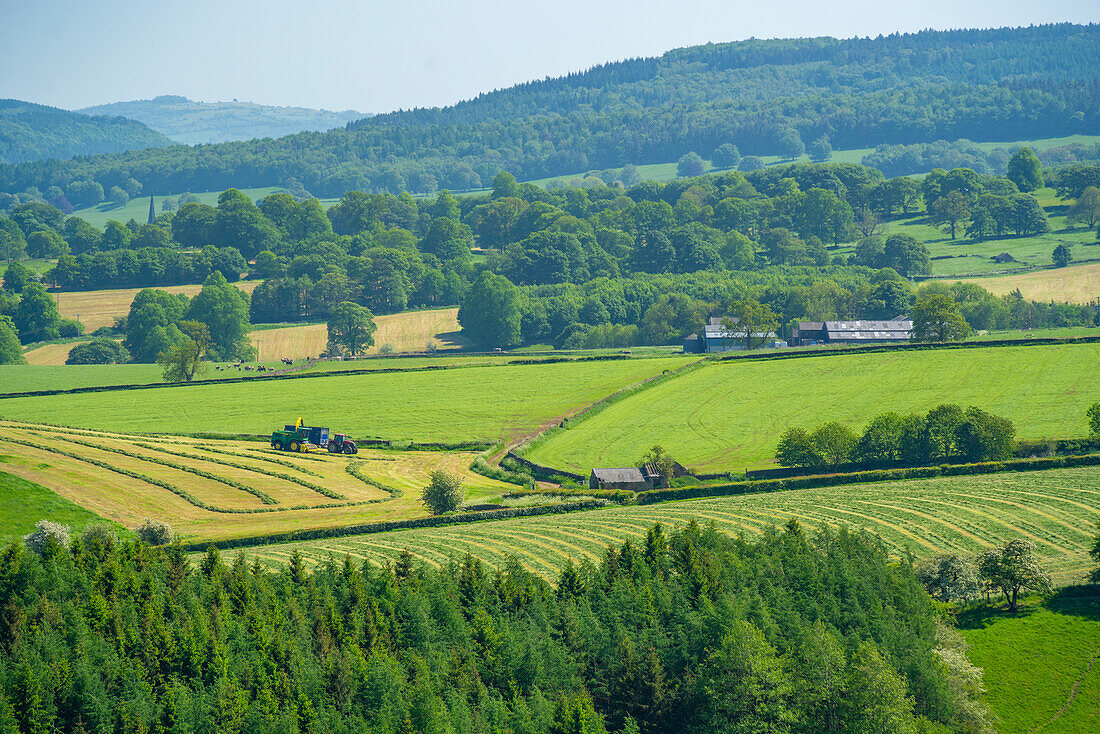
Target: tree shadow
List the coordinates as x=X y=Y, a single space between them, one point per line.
x=1078 y=601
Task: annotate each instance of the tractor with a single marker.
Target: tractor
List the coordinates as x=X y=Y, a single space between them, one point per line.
x=342 y=443
x=299 y=437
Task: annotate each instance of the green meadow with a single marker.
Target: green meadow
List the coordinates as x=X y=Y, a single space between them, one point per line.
x=25 y=503
x=1041 y=671
x=471 y=403
x=729 y=415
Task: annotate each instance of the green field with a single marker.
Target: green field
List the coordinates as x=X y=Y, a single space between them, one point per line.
x=138 y=209
x=487 y=403
x=730 y=415
x=1055 y=508
x=25 y=503
x=1061 y=638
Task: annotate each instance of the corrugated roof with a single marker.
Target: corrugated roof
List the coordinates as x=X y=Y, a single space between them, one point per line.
x=717 y=332
x=631 y=475
x=811 y=325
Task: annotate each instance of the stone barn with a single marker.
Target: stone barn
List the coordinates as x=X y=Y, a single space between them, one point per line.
x=631 y=478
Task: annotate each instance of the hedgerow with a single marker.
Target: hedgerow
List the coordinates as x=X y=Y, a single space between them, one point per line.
x=354 y=468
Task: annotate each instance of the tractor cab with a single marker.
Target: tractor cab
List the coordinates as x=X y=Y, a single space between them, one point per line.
x=342 y=443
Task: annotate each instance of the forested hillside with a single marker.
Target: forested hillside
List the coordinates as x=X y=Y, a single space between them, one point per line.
x=32 y=132
x=187 y=121
x=765 y=97
x=683 y=633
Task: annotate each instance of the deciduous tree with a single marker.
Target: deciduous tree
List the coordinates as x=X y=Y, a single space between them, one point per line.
x=351 y=328
x=937 y=318
x=444 y=492
x=1012 y=568
x=183 y=361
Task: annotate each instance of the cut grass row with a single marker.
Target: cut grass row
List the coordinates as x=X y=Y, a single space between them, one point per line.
x=1056 y=509
x=214 y=497
x=730 y=415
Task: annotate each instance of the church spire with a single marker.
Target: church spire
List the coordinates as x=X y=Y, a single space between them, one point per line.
x=152 y=210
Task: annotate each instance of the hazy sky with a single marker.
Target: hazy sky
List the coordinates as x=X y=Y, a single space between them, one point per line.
x=378 y=56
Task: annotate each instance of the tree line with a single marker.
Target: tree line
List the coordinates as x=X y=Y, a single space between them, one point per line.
x=946 y=433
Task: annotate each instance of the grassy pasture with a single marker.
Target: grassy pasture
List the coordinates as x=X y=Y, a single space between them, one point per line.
x=1074 y=284
x=730 y=415
x=1054 y=508
x=101 y=308
x=25 y=503
x=410 y=331
x=138 y=208
x=228 y=488
x=483 y=403
x=1062 y=640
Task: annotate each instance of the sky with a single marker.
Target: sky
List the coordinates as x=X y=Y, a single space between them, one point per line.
x=376 y=57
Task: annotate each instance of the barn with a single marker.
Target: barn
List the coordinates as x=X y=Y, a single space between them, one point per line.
x=631 y=478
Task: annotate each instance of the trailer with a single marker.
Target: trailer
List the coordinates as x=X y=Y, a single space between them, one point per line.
x=299 y=438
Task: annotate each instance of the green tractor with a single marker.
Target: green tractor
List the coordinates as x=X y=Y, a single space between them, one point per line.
x=299 y=438
x=341 y=443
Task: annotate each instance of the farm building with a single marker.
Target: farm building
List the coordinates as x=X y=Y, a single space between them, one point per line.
x=632 y=478
x=716 y=338
x=808 y=333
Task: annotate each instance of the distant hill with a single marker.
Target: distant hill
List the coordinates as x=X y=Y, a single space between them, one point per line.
x=34 y=132
x=767 y=97
x=187 y=121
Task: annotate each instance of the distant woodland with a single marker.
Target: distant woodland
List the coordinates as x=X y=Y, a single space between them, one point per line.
x=30 y=132
x=187 y=121
x=765 y=97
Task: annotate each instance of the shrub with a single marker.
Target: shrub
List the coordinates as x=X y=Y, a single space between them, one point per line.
x=1093 y=414
x=155 y=532
x=387 y=349
x=98 y=351
x=99 y=537
x=47 y=535
x=70 y=328
x=443 y=493
x=950 y=577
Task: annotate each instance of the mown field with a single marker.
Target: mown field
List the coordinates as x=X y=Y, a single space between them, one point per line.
x=411 y=331
x=470 y=403
x=101 y=308
x=1075 y=284
x=1055 y=686
x=730 y=415
x=1056 y=509
x=212 y=489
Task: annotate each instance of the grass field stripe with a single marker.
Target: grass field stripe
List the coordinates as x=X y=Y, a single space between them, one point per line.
x=940 y=532
x=461 y=551
x=1013 y=529
x=1024 y=521
x=983 y=542
x=1032 y=510
x=1092 y=510
x=728 y=518
x=1025 y=510
x=875 y=522
x=549 y=566
x=545 y=538
x=239 y=486
x=590 y=538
